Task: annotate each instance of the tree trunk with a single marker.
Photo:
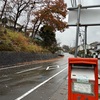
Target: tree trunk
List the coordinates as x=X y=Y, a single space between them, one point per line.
x=37 y=29
x=33 y=30
x=15 y=22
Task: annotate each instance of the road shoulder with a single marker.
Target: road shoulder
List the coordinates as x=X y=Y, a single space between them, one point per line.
x=61 y=93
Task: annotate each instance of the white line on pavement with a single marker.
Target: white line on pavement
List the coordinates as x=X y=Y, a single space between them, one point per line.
x=11 y=67
x=28 y=70
x=52 y=67
x=5 y=80
x=30 y=91
x=47 y=68
x=58 y=66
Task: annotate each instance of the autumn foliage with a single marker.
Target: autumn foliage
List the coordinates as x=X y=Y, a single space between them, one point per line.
x=52 y=13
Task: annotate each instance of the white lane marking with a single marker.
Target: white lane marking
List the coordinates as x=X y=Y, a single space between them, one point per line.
x=47 y=68
x=33 y=89
x=58 y=66
x=11 y=67
x=5 y=80
x=27 y=70
x=52 y=67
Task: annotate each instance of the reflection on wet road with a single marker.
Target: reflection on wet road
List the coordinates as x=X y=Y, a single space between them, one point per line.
x=35 y=81
x=38 y=81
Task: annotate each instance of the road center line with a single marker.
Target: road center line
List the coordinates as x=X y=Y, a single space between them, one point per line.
x=27 y=70
x=33 y=89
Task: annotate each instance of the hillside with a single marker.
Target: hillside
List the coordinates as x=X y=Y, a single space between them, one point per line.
x=16 y=41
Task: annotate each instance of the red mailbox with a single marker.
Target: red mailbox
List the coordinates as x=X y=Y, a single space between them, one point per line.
x=83 y=79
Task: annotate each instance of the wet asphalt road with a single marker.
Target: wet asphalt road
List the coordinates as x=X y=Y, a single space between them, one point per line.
x=33 y=82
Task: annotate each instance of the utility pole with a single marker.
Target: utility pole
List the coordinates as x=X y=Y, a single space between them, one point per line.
x=85 y=42
x=79 y=22
x=77 y=31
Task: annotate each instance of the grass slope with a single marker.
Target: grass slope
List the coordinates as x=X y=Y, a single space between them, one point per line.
x=16 y=41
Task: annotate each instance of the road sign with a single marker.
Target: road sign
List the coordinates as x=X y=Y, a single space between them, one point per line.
x=88 y=17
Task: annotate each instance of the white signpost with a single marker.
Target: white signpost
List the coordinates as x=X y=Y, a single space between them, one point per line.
x=88 y=17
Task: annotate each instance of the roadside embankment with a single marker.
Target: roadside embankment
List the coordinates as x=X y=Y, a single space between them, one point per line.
x=12 y=58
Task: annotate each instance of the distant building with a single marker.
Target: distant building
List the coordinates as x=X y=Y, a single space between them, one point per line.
x=93 y=49
x=98 y=50
x=94 y=45
x=98 y=47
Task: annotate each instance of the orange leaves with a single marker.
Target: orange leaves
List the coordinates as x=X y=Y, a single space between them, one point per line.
x=59 y=7
x=53 y=14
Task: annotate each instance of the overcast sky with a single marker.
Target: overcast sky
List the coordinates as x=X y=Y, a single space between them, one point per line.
x=69 y=35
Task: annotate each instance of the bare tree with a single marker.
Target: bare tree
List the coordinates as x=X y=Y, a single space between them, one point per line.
x=33 y=7
x=29 y=11
x=6 y=11
x=51 y=13
x=20 y=6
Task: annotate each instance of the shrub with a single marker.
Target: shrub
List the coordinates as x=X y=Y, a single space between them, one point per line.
x=14 y=41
